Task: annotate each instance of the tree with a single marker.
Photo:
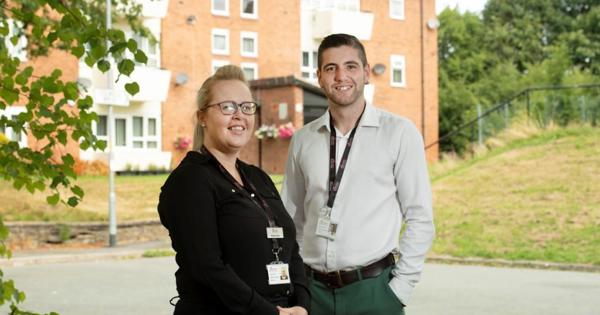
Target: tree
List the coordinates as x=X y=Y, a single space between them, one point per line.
x=55 y=109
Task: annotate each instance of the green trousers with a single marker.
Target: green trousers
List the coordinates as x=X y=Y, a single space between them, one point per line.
x=371 y=296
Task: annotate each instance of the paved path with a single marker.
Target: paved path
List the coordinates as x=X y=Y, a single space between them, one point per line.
x=144 y=286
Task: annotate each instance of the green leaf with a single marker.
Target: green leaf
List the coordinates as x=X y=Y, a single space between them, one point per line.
x=141 y=57
x=53 y=200
x=78 y=51
x=132 y=45
x=68 y=159
x=103 y=65
x=77 y=191
x=132 y=88
x=101 y=144
x=73 y=201
x=61 y=135
x=89 y=60
x=126 y=67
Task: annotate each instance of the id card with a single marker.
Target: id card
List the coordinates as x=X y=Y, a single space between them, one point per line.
x=324 y=226
x=274 y=232
x=278 y=273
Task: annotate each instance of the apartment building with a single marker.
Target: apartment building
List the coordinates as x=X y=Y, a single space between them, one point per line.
x=275 y=43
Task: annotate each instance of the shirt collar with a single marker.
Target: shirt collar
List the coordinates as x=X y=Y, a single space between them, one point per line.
x=370 y=118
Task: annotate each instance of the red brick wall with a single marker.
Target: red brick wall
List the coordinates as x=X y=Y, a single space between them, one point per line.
x=187 y=49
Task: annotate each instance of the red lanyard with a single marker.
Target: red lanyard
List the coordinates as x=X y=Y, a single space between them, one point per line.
x=336 y=178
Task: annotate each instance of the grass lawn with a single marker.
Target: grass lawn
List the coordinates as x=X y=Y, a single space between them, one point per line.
x=536 y=198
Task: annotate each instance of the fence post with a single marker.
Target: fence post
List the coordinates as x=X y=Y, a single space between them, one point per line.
x=506 y=114
x=527 y=102
x=583 y=109
x=479 y=125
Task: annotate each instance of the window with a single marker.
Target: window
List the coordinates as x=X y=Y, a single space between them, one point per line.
x=151 y=49
x=19 y=49
x=249 y=44
x=220 y=7
x=101 y=126
x=120 y=132
x=250 y=70
x=12 y=112
x=249 y=9
x=398 y=73
x=216 y=64
x=152 y=139
x=397 y=9
x=220 y=41
x=138 y=131
x=309 y=65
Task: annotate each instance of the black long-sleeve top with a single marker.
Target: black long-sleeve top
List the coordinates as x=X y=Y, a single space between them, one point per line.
x=219 y=236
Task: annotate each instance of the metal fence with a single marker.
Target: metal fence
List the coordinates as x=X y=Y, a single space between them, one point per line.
x=540 y=105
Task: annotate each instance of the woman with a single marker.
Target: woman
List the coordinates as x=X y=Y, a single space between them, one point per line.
x=235 y=242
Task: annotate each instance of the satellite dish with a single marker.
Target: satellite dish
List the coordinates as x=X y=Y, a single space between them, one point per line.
x=378 y=68
x=181 y=79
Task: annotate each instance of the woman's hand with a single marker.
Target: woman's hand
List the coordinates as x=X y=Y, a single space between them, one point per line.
x=296 y=310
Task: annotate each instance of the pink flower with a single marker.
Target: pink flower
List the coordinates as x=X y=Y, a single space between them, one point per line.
x=286 y=130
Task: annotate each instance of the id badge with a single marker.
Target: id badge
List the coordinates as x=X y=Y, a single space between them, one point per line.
x=279 y=273
x=324 y=226
x=274 y=232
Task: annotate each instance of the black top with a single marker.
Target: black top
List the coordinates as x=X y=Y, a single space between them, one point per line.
x=219 y=236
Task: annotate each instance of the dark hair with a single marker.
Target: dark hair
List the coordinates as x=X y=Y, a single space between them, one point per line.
x=337 y=40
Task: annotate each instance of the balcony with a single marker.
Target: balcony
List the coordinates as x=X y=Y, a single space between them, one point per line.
x=154 y=8
x=153 y=82
x=359 y=24
x=125 y=159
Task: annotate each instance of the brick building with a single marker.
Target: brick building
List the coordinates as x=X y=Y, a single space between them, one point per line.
x=275 y=42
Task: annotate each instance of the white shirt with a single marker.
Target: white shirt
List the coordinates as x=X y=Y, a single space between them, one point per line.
x=385 y=184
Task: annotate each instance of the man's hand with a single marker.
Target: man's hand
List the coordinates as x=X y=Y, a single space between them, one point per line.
x=296 y=310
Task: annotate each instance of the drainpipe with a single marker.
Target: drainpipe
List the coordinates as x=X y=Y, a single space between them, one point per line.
x=421 y=25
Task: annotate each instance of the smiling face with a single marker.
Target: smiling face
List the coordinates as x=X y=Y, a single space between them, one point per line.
x=227 y=133
x=343 y=76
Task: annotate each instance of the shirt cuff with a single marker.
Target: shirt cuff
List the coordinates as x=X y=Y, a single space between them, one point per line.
x=402 y=289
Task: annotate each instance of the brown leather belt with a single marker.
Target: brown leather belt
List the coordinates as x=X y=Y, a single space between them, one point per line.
x=341 y=278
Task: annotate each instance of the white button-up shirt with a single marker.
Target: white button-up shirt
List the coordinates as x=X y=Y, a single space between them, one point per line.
x=384 y=185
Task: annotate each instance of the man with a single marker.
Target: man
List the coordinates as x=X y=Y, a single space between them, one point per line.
x=353 y=176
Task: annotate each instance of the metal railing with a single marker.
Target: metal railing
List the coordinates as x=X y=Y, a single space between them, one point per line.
x=560 y=104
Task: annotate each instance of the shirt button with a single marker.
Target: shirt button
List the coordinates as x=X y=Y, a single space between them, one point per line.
x=233 y=190
x=252 y=195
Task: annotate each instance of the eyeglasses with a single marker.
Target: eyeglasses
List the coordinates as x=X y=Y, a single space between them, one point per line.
x=231 y=107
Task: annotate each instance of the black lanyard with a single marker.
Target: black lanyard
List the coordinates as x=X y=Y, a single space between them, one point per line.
x=336 y=178
x=249 y=192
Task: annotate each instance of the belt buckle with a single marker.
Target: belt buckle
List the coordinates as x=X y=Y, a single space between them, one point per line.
x=335 y=279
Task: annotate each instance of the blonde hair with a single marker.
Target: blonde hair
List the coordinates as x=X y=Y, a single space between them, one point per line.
x=204 y=95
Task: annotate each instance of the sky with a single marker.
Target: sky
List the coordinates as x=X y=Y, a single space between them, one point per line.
x=475 y=6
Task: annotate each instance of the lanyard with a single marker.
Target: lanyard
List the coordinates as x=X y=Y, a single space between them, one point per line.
x=336 y=178
x=250 y=192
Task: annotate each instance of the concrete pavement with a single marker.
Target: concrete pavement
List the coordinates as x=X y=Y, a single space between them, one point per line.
x=95 y=283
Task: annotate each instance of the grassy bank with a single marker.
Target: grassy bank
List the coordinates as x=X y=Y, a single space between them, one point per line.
x=536 y=198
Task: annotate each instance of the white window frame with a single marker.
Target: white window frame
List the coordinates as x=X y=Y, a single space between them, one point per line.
x=152 y=138
x=128 y=131
x=95 y=128
x=254 y=37
x=20 y=49
x=247 y=15
x=144 y=44
x=398 y=62
x=135 y=138
x=220 y=32
x=218 y=63
x=400 y=3
x=311 y=69
x=9 y=112
x=250 y=65
x=219 y=12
